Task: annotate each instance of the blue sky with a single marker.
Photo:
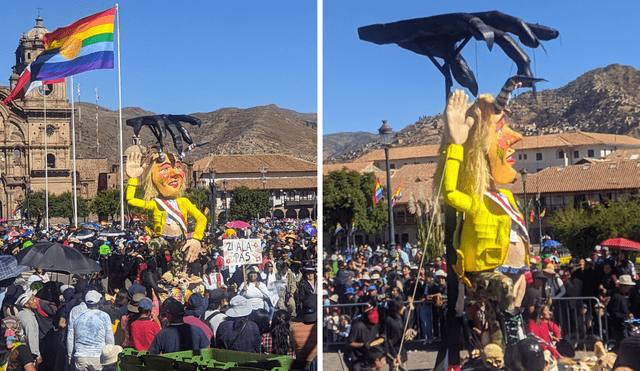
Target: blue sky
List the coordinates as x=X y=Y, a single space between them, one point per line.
x=190 y=56
x=365 y=83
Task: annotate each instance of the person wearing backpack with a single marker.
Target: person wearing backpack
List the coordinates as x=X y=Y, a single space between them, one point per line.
x=218 y=300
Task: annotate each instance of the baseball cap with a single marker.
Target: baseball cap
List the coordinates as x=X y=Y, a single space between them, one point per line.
x=92 y=297
x=145 y=304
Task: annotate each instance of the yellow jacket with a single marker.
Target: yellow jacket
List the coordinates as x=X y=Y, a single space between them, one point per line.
x=160 y=216
x=486 y=229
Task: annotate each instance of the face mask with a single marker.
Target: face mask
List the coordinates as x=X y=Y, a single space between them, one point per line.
x=372 y=315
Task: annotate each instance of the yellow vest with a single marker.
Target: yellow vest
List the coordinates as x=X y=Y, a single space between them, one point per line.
x=484 y=241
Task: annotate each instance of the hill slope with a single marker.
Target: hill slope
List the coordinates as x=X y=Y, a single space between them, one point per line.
x=604 y=100
x=256 y=130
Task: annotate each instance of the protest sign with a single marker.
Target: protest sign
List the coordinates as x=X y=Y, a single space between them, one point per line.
x=242 y=251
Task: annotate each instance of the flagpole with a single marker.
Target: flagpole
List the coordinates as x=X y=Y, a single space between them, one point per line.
x=46 y=170
x=73 y=146
x=120 y=120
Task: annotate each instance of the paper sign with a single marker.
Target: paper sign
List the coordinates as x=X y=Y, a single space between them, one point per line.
x=242 y=251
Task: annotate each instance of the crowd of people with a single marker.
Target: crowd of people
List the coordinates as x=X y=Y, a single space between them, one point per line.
x=137 y=301
x=371 y=293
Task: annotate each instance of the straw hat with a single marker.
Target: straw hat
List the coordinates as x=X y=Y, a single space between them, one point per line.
x=110 y=354
x=549 y=269
x=625 y=279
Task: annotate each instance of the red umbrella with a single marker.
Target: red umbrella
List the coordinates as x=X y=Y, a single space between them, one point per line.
x=238 y=224
x=621 y=244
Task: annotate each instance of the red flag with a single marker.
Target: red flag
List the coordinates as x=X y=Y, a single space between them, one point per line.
x=25 y=85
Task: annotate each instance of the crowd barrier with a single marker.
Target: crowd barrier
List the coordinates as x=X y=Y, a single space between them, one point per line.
x=426 y=319
x=579 y=320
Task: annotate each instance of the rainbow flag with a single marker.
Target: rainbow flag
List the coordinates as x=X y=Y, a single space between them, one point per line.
x=353 y=228
x=82 y=46
x=397 y=194
x=206 y=211
x=543 y=212
x=377 y=192
x=25 y=84
x=338 y=228
x=531 y=215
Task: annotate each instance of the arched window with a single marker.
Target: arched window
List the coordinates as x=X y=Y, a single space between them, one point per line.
x=16 y=153
x=51 y=161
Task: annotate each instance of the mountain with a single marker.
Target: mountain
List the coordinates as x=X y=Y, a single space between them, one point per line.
x=604 y=100
x=339 y=143
x=257 y=130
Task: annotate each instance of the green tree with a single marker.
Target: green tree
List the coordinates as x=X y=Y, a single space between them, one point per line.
x=35 y=206
x=106 y=203
x=146 y=216
x=347 y=196
x=581 y=228
x=248 y=203
x=62 y=206
x=198 y=197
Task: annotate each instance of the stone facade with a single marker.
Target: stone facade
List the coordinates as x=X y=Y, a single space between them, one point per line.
x=35 y=131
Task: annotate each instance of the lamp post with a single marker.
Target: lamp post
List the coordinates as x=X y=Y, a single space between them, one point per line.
x=385 y=132
x=28 y=203
x=523 y=174
x=226 y=214
x=212 y=199
x=263 y=177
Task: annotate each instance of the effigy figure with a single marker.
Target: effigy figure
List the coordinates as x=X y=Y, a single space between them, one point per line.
x=491 y=237
x=163 y=181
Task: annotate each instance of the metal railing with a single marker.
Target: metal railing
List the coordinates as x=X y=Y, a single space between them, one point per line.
x=579 y=319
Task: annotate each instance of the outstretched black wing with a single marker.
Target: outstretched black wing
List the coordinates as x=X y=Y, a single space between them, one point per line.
x=438 y=36
x=161 y=124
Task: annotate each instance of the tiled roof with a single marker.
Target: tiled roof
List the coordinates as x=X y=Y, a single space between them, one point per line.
x=351 y=166
x=416 y=179
x=606 y=175
x=573 y=139
x=272 y=183
x=624 y=154
x=226 y=164
x=401 y=153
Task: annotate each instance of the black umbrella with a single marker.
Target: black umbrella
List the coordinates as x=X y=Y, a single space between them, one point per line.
x=112 y=232
x=56 y=257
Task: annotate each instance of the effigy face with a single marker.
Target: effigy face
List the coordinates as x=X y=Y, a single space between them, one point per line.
x=500 y=151
x=168 y=178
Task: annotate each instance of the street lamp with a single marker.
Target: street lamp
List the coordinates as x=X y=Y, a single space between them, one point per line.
x=523 y=174
x=212 y=199
x=226 y=208
x=263 y=178
x=385 y=132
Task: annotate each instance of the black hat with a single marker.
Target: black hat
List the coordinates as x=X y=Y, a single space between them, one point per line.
x=175 y=308
x=196 y=305
x=216 y=295
x=629 y=353
x=540 y=275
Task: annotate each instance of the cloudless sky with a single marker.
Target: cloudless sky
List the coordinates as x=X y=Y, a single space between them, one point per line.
x=190 y=56
x=365 y=83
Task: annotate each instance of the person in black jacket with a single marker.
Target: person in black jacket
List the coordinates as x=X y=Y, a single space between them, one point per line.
x=150 y=278
x=618 y=309
x=394 y=331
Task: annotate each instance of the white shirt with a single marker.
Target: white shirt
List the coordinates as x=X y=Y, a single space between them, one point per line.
x=255 y=295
